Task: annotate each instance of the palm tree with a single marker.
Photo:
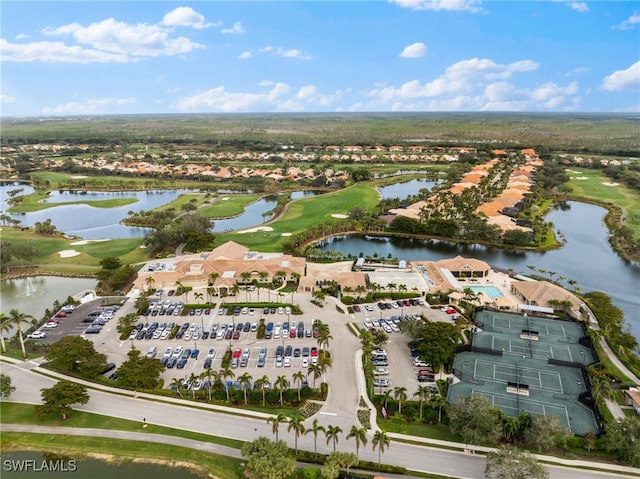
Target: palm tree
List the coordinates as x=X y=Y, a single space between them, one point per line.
x=439 y=401
x=323 y=335
x=192 y=382
x=211 y=376
x=149 y=281
x=316 y=370
x=386 y=396
x=359 y=435
x=423 y=394
x=225 y=374
x=298 y=377
x=381 y=441
x=600 y=388
x=400 y=393
x=297 y=424
x=245 y=380
x=332 y=434
x=262 y=382
x=281 y=385
x=275 y=423
x=235 y=289
x=315 y=429
x=198 y=297
x=5 y=325
x=17 y=318
x=177 y=384
x=213 y=277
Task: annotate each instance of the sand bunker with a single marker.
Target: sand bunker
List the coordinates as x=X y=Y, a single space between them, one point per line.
x=256 y=229
x=338 y=215
x=286 y=234
x=581 y=178
x=611 y=184
x=225 y=198
x=79 y=177
x=78 y=243
x=68 y=253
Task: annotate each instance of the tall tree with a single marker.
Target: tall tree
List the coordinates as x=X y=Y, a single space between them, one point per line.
x=623 y=439
x=224 y=374
x=267 y=459
x=17 y=319
x=6 y=389
x=476 y=419
x=423 y=394
x=359 y=435
x=298 y=377
x=262 y=384
x=508 y=462
x=400 y=393
x=275 y=422
x=60 y=397
x=381 y=441
x=296 y=423
x=5 y=325
x=281 y=384
x=546 y=432
x=332 y=434
x=315 y=429
x=73 y=354
x=245 y=383
x=140 y=372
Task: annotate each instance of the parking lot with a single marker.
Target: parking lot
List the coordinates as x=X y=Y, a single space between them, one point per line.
x=210 y=332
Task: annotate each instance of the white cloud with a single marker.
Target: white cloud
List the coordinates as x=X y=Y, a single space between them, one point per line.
x=629 y=23
x=274 y=97
x=21 y=36
x=244 y=55
x=237 y=28
x=579 y=7
x=56 y=52
x=136 y=40
x=415 y=50
x=620 y=80
x=87 y=107
x=186 y=17
x=473 y=6
x=285 y=53
x=474 y=85
x=6 y=99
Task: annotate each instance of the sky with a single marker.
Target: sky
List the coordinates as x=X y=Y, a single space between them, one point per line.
x=61 y=58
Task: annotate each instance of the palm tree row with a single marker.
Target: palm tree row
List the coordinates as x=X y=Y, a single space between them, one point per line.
x=15 y=320
x=381 y=440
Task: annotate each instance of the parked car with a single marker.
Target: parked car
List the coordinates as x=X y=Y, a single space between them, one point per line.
x=37 y=335
x=381 y=383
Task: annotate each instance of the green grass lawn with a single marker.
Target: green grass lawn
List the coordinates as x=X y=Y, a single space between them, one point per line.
x=593 y=184
x=304 y=213
x=196 y=198
x=32 y=202
x=228 y=205
x=127 y=249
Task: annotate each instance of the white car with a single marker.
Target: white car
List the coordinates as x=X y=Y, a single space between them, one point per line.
x=304 y=362
x=177 y=352
x=165 y=334
x=211 y=353
x=187 y=336
x=51 y=324
x=381 y=383
x=37 y=335
x=167 y=353
x=381 y=371
x=287 y=362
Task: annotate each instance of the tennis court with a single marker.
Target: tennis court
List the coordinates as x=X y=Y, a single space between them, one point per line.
x=528 y=365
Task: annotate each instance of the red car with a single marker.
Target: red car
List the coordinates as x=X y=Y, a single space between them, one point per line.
x=314 y=352
x=237 y=353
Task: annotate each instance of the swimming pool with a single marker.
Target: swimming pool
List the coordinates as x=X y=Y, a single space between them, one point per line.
x=489 y=291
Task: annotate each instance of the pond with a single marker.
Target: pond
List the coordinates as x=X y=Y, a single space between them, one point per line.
x=35 y=294
x=404 y=189
x=33 y=465
x=586 y=257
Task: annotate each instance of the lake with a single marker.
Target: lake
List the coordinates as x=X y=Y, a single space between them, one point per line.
x=89 y=222
x=404 y=189
x=586 y=257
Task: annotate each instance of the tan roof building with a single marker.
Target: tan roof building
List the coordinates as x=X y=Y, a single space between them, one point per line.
x=544 y=293
x=632 y=398
x=222 y=268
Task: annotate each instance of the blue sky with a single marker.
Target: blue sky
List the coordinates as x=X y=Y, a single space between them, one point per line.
x=71 y=58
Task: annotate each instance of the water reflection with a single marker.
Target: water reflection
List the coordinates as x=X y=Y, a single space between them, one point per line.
x=402 y=190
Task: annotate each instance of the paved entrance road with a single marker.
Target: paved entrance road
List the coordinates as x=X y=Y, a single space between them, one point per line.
x=428 y=459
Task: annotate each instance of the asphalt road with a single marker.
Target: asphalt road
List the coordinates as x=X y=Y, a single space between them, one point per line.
x=338 y=410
